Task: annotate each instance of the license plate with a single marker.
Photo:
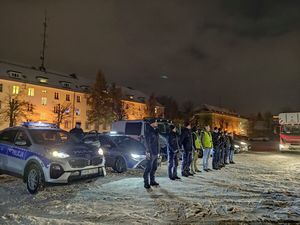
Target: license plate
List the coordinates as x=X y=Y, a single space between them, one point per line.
x=88 y=172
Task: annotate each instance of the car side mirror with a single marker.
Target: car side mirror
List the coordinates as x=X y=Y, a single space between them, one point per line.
x=21 y=143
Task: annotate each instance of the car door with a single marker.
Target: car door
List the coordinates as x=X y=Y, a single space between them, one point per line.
x=6 y=142
x=110 y=150
x=16 y=161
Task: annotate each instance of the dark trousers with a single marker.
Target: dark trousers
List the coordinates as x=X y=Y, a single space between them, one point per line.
x=150 y=169
x=216 y=158
x=221 y=156
x=186 y=161
x=173 y=164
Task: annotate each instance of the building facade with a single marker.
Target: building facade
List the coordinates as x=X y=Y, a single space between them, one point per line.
x=135 y=105
x=50 y=93
x=221 y=118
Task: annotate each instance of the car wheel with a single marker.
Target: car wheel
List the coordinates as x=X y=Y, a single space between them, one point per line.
x=34 y=179
x=120 y=165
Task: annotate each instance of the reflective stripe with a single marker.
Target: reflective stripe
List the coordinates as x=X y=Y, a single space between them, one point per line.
x=20 y=153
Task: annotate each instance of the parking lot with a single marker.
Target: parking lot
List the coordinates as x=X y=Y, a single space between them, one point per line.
x=261 y=187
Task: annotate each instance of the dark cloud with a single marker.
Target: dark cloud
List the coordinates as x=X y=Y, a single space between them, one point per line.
x=196 y=53
x=244 y=52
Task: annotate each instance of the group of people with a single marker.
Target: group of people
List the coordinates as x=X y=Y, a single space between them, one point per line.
x=192 y=143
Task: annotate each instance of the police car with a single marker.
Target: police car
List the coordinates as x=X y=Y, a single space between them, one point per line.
x=41 y=153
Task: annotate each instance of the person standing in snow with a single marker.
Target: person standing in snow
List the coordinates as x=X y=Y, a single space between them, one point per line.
x=207 y=145
x=231 y=151
x=221 y=147
x=152 y=151
x=173 y=152
x=196 y=150
x=227 y=148
x=216 y=146
x=186 y=140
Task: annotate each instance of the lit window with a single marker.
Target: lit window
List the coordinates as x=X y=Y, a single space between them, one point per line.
x=78 y=98
x=1 y=87
x=42 y=79
x=155 y=110
x=44 y=101
x=30 y=91
x=56 y=96
x=16 y=89
x=67 y=98
x=44 y=91
x=77 y=112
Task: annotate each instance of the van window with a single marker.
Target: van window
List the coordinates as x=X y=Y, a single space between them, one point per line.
x=133 y=128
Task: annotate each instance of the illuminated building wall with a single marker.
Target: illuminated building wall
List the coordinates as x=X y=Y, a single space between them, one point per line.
x=227 y=120
x=45 y=91
x=44 y=100
x=137 y=110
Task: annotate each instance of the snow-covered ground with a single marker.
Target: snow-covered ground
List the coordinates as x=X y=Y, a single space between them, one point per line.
x=261 y=188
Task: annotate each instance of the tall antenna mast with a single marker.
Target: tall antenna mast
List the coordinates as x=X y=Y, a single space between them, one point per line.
x=42 y=57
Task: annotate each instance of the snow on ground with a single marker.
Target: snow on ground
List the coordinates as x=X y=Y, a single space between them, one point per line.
x=262 y=188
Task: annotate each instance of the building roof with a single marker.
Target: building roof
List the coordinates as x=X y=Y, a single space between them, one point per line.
x=72 y=82
x=216 y=109
x=131 y=94
x=33 y=75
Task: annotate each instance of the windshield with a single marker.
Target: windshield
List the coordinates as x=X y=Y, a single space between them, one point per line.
x=291 y=129
x=49 y=137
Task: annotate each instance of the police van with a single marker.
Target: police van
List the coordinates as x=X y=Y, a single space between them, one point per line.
x=41 y=153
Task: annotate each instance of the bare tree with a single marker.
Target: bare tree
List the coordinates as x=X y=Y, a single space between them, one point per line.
x=100 y=102
x=15 y=109
x=61 y=112
x=117 y=105
x=151 y=104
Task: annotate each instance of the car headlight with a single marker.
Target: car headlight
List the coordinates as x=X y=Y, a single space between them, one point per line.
x=60 y=155
x=243 y=143
x=236 y=146
x=283 y=146
x=100 y=151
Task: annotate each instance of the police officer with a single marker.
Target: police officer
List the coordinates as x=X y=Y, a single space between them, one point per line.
x=186 y=141
x=77 y=132
x=216 y=143
x=231 y=151
x=174 y=148
x=222 y=148
x=196 y=150
x=152 y=151
x=207 y=145
x=227 y=148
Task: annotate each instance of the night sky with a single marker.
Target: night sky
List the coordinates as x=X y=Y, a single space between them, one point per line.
x=242 y=54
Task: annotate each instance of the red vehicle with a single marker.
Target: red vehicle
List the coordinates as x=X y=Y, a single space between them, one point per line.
x=289 y=131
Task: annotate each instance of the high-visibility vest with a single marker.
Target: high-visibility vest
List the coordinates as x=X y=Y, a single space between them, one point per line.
x=197 y=141
x=206 y=140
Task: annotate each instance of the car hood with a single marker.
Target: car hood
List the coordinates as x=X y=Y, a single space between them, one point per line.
x=75 y=150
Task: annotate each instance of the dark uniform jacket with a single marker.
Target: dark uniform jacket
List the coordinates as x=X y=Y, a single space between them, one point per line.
x=77 y=133
x=152 y=138
x=186 y=139
x=173 y=142
x=216 y=137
